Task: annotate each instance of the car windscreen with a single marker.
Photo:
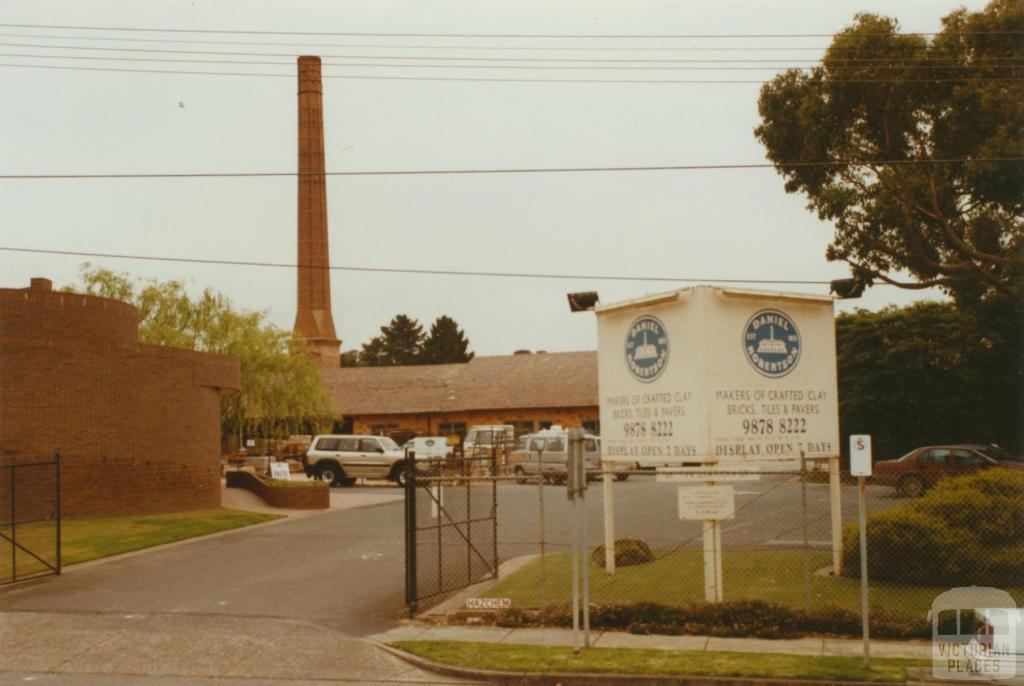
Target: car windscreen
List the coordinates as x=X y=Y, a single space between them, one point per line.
x=388 y=443
x=997 y=453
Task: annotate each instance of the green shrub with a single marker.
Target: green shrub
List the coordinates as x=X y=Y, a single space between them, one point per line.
x=628 y=551
x=735 y=618
x=967 y=530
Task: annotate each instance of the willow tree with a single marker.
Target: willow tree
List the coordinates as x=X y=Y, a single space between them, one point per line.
x=281 y=390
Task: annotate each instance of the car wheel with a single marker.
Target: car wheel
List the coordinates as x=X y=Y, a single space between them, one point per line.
x=621 y=477
x=330 y=474
x=520 y=475
x=912 y=486
x=347 y=481
x=400 y=477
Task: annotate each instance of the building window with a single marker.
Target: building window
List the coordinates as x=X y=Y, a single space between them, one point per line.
x=592 y=426
x=520 y=427
x=450 y=428
x=545 y=425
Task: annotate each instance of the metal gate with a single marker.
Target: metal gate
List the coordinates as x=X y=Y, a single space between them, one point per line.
x=451 y=525
x=29 y=518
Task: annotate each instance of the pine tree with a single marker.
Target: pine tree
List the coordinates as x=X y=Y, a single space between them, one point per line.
x=372 y=354
x=446 y=343
x=401 y=341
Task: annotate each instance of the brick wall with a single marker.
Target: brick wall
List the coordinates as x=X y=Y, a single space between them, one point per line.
x=137 y=426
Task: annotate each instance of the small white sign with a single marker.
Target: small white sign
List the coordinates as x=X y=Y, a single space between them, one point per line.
x=279 y=470
x=706 y=502
x=860 y=455
x=250 y=443
x=488 y=603
x=698 y=474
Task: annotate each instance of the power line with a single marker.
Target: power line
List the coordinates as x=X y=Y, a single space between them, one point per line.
x=512 y=170
x=730 y=66
x=466 y=79
x=546 y=48
x=404 y=270
x=568 y=36
x=883 y=61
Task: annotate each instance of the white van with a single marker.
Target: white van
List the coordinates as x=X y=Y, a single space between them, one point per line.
x=546 y=453
x=486 y=436
x=428 y=447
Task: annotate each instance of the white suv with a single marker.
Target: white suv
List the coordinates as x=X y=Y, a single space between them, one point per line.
x=340 y=460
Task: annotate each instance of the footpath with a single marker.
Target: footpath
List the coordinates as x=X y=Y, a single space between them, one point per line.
x=562 y=638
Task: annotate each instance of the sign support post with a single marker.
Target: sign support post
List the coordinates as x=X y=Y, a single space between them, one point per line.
x=860 y=466
x=576 y=487
x=836 y=492
x=709 y=504
x=609 y=520
x=712 y=558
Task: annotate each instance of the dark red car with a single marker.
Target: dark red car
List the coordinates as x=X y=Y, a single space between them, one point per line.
x=919 y=469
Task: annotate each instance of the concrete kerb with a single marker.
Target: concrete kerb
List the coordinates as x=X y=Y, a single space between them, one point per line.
x=588 y=679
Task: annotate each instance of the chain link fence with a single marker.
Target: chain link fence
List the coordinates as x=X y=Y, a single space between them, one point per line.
x=777 y=549
x=29 y=517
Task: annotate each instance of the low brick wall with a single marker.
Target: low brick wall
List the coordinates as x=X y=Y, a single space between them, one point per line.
x=313 y=497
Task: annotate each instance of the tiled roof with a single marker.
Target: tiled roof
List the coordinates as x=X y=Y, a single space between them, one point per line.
x=484 y=383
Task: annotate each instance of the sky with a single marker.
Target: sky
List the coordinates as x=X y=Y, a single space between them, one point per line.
x=684 y=224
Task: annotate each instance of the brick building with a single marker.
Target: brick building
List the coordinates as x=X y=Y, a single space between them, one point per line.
x=137 y=426
x=530 y=392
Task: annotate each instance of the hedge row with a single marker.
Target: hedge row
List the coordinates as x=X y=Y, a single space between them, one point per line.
x=736 y=618
x=967 y=530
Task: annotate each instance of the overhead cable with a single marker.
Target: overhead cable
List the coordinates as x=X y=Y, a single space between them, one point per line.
x=405 y=270
x=513 y=170
x=567 y=36
x=491 y=79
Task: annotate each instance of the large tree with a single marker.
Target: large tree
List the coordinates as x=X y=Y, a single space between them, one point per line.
x=281 y=391
x=916 y=134
x=446 y=343
x=930 y=373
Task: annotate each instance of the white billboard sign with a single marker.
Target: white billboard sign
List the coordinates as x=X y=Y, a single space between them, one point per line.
x=708 y=374
x=704 y=503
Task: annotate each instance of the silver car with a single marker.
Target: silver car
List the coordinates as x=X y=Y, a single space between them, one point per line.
x=340 y=460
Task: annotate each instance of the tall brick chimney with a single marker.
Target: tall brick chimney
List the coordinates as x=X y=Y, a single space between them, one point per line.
x=313 y=320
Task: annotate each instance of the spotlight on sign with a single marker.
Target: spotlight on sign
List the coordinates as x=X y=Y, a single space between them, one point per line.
x=583 y=301
x=848 y=288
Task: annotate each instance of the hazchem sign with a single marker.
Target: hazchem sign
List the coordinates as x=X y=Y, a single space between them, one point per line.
x=715 y=374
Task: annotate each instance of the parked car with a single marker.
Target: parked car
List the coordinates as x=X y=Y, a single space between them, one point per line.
x=918 y=470
x=429 y=447
x=546 y=453
x=340 y=460
x=482 y=437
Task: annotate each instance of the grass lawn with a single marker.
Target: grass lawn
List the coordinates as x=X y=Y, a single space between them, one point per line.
x=673 y=578
x=88 y=539
x=521 y=658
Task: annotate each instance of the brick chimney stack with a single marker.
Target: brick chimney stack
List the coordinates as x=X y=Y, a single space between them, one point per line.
x=313 y=320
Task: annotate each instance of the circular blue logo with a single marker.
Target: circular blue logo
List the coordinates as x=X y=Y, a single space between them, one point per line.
x=772 y=343
x=646 y=348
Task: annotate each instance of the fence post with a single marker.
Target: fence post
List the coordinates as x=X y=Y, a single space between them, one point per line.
x=835 y=498
x=14 y=523
x=803 y=517
x=56 y=460
x=410 y=533
x=540 y=507
x=609 y=520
